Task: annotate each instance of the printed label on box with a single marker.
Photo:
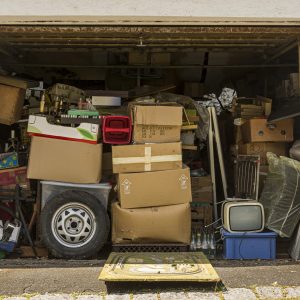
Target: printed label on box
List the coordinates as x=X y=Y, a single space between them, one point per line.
x=183 y=182
x=126 y=186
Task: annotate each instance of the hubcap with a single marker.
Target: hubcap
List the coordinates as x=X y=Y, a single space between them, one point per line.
x=73 y=225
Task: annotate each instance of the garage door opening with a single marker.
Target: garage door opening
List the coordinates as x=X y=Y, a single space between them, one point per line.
x=141 y=61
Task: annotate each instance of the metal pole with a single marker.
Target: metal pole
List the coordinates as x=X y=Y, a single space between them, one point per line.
x=299 y=63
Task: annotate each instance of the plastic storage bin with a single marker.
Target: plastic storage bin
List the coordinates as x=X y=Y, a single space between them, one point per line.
x=249 y=245
x=116 y=130
x=53 y=188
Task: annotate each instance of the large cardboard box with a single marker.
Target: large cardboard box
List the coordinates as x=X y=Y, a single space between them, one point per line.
x=163 y=224
x=146 y=157
x=202 y=189
x=258 y=130
x=262 y=149
x=159 y=188
x=156 y=123
x=61 y=160
x=11 y=104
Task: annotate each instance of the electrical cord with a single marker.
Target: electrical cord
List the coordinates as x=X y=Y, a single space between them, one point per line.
x=240 y=245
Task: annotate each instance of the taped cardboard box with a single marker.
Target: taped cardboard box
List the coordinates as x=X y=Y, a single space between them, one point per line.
x=146 y=157
x=67 y=161
x=163 y=224
x=262 y=148
x=258 y=130
x=159 y=188
x=156 y=123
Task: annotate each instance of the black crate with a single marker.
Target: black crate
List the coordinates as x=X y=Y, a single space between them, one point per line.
x=150 y=247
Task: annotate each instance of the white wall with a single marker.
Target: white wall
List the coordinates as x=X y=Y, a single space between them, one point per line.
x=117 y=11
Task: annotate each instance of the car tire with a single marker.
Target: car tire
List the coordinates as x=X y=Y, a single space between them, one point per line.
x=74 y=225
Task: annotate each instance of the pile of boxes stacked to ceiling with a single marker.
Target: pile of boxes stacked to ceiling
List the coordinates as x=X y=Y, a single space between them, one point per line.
x=269 y=143
x=154 y=187
x=72 y=141
x=256 y=136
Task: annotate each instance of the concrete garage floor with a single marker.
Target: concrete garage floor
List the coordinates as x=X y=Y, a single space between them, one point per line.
x=30 y=276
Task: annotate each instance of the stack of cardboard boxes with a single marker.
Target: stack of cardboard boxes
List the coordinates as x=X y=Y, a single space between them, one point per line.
x=260 y=137
x=255 y=135
x=202 y=194
x=154 y=189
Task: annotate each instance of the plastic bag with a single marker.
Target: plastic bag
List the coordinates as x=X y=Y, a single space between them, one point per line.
x=295 y=150
x=281 y=195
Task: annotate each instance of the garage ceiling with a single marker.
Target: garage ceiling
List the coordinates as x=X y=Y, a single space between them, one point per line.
x=48 y=46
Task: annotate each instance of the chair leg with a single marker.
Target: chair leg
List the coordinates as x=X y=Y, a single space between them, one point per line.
x=19 y=211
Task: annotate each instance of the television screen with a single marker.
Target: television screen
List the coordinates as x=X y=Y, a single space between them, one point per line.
x=245 y=218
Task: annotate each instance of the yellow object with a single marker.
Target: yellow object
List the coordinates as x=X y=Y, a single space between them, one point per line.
x=159 y=266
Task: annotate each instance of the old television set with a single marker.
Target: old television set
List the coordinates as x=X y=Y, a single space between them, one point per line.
x=243 y=216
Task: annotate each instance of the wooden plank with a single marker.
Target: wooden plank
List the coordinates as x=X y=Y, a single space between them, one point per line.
x=299 y=60
x=158 y=266
x=212 y=163
x=189 y=127
x=219 y=150
x=189 y=147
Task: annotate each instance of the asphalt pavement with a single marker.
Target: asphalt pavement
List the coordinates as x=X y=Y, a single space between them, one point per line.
x=30 y=276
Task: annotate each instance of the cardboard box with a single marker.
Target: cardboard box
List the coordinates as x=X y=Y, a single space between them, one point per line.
x=262 y=148
x=163 y=224
x=85 y=132
x=67 y=161
x=144 y=158
x=201 y=216
x=10 y=177
x=156 y=123
x=202 y=189
x=203 y=195
x=159 y=188
x=11 y=104
x=258 y=130
x=201 y=181
x=18 y=82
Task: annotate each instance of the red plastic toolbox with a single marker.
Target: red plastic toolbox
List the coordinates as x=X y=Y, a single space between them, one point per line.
x=116 y=130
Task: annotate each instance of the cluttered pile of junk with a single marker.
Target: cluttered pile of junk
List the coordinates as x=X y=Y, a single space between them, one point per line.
x=81 y=171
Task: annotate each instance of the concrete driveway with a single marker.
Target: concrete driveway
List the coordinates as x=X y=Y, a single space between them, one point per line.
x=30 y=276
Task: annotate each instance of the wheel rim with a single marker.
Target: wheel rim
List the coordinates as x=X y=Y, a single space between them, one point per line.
x=73 y=225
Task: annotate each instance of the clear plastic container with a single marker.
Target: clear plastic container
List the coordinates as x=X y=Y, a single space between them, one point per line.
x=53 y=188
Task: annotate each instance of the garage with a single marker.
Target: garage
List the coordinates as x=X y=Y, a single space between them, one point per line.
x=144 y=57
